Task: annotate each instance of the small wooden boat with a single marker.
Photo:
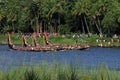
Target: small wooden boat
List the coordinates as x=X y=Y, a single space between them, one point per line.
x=48 y=47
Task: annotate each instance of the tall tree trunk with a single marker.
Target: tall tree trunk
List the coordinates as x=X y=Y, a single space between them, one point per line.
x=54 y=27
x=13 y=27
x=44 y=26
x=37 y=27
x=40 y=27
x=37 y=24
x=51 y=29
x=32 y=25
x=58 y=24
x=83 y=26
x=86 y=24
x=97 y=23
x=98 y=27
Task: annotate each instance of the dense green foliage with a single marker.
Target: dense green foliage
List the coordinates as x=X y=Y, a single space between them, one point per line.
x=64 y=16
x=56 y=71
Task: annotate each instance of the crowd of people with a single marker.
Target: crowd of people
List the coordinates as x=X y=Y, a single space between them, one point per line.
x=111 y=42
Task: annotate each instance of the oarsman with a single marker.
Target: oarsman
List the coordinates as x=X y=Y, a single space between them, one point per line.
x=108 y=43
x=97 y=40
x=118 y=40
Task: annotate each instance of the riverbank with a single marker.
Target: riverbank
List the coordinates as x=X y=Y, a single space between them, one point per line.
x=29 y=64
x=94 y=40
x=57 y=71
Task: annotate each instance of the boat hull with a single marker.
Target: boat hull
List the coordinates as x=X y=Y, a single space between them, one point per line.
x=47 y=48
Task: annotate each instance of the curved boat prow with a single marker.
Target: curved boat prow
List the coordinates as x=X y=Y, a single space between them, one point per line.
x=9 y=39
x=47 y=42
x=35 y=40
x=10 y=44
x=25 y=43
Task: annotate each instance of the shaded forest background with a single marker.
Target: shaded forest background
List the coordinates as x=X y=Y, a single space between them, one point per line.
x=63 y=16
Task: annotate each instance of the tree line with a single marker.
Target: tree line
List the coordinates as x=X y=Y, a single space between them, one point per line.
x=63 y=16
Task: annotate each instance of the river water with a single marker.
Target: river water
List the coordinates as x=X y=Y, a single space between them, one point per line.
x=89 y=58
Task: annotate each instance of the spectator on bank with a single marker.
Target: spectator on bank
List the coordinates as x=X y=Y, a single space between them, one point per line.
x=101 y=35
x=97 y=40
x=115 y=36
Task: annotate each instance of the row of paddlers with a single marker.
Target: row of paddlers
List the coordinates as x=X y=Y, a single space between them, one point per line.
x=48 y=47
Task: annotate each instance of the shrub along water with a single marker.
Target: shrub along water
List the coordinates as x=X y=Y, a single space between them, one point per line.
x=56 y=71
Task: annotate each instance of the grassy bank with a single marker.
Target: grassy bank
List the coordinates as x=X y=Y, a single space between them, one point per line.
x=57 y=71
x=63 y=40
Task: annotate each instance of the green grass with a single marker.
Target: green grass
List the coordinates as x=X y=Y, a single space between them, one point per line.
x=61 y=40
x=56 y=71
x=3 y=39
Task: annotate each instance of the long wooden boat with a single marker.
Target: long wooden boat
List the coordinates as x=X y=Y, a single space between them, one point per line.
x=48 y=47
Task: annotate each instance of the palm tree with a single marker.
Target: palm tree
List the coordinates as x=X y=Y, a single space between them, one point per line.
x=81 y=8
x=110 y=20
x=11 y=11
x=57 y=10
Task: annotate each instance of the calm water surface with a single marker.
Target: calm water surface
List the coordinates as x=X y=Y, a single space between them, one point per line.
x=89 y=58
